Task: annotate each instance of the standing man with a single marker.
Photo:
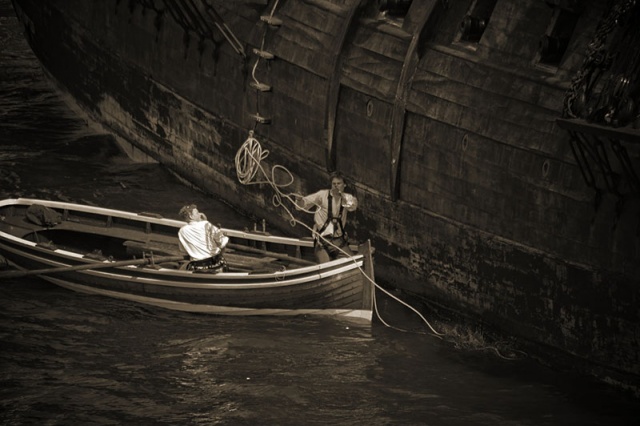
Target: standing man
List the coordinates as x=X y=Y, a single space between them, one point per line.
x=330 y=217
x=204 y=242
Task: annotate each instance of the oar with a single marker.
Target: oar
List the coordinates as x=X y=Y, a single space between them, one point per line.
x=271 y=254
x=98 y=265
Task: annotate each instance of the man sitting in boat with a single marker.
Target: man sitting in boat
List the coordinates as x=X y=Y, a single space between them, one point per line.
x=330 y=218
x=203 y=241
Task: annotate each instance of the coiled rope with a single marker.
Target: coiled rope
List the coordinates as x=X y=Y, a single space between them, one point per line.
x=248 y=162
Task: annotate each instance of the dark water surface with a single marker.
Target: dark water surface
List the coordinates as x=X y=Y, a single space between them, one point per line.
x=74 y=359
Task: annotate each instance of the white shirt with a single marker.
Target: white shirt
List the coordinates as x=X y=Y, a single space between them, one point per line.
x=201 y=240
x=320 y=200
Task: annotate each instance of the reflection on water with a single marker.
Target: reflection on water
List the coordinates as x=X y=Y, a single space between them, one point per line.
x=68 y=358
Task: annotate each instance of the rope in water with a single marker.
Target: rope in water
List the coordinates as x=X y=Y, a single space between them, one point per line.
x=248 y=162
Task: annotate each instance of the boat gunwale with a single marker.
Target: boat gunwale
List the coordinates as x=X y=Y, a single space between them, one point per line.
x=151 y=219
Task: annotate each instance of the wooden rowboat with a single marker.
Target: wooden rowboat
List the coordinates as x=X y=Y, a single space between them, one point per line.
x=135 y=256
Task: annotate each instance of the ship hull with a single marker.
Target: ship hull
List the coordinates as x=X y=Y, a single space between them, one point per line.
x=467 y=186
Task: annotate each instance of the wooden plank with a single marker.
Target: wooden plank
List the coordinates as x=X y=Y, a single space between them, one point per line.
x=333 y=89
x=423 y=13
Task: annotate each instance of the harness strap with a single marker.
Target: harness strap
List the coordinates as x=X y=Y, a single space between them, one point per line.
x=331 y=218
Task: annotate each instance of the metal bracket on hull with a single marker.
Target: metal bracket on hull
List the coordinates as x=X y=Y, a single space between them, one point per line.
x=262 y=87
x=271 y=20
x=260 y=119
x=263 y=54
